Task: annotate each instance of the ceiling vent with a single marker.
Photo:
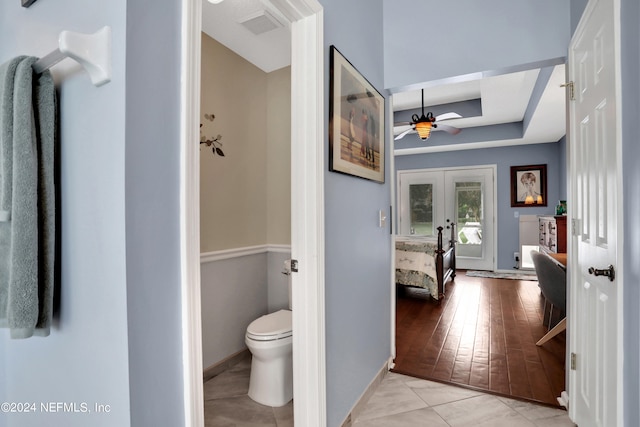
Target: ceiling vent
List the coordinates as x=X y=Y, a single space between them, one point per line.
x=260 y=22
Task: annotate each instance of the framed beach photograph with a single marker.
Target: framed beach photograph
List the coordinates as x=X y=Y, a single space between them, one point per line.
x=528 y=186
x=356 y=122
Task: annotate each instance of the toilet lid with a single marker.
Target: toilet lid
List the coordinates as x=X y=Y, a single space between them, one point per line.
x=271 y=326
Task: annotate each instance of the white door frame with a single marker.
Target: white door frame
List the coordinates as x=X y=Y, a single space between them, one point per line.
x=307 y=210
x=190 y=213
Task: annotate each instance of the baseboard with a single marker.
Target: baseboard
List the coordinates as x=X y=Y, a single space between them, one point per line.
x=225 y=364
x=366 y=395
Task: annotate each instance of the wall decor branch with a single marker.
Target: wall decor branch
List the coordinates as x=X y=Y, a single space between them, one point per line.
x=214 y=143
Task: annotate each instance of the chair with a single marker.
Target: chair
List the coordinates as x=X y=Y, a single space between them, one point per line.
x=552 y=279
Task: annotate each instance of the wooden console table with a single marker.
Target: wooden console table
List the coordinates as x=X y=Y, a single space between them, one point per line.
x=560 y=257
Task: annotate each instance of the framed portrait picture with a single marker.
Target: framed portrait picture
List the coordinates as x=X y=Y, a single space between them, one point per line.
x=356 y=122
x=529 y=186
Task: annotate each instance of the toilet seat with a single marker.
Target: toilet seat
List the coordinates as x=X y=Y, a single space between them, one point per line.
x=271 y=327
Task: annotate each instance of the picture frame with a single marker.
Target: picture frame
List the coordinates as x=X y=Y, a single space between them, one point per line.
x=356 y=122
x=529 y=186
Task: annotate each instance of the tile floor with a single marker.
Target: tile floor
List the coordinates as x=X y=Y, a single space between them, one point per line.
x=406 y=401
x=399 y=401
x=226 y=403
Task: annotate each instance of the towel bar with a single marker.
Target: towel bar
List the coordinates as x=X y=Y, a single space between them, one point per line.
x=92 y=51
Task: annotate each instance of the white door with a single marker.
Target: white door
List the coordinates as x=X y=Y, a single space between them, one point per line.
x=595 y=308
x=430 y=197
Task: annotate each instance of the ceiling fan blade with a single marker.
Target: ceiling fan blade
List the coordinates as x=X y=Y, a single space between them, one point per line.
x=448 y=116
x=399 y=129
x=401 y=124
x=448 y=129
x=403 y=134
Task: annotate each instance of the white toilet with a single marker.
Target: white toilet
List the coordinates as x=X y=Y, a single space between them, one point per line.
x=269 y=338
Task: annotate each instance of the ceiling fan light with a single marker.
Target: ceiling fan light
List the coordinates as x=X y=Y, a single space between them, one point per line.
x=423 y=129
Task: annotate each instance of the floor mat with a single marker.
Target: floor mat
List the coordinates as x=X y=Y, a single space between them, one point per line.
x=500 y=275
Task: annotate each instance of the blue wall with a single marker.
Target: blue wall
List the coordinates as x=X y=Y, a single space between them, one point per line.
x=358 y=272
x=85 y=359
x=507 y=225
x=469 y=36
x=152 y=196
x=120 y=297
x=577 y=8
x=630 y=230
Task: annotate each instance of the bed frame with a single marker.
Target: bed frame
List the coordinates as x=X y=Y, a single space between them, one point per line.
x=445 y=259
x=443 y=254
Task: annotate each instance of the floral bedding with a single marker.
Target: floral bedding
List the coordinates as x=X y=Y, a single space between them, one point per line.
x=416 y=263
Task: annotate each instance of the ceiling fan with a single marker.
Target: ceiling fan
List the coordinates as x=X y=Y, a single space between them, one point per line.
x=424 y=124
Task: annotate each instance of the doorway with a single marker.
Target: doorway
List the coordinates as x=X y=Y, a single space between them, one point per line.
x=305 y=17
x=428 y=198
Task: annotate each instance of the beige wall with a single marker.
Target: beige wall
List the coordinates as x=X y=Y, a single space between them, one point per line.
x=245 y=195
x=279 y=156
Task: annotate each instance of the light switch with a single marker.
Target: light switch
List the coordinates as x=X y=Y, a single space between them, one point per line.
x=382 y=218
x=516 y=214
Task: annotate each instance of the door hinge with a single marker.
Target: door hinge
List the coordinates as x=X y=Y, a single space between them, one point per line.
x=570 y=85
x=573 y=361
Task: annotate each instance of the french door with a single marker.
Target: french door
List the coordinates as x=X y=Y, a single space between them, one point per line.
x=430 y=197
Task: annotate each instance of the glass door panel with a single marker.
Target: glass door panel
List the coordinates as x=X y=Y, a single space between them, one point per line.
x=421 y=202
x=471 y=203
x=469 y=216
x=421 y=209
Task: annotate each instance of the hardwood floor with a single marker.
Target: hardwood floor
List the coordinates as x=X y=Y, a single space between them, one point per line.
x=482 y=336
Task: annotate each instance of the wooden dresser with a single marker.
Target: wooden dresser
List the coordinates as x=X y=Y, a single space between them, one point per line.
x=552 y=233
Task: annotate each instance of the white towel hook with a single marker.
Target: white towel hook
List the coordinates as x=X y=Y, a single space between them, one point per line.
x=92 y=51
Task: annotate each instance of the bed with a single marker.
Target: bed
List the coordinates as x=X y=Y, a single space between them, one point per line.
x=426 y=262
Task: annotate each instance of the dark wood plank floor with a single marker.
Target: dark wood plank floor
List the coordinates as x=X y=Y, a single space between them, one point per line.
x=483 y=336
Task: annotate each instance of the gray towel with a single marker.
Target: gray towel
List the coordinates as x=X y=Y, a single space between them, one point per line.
x=27 y=198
